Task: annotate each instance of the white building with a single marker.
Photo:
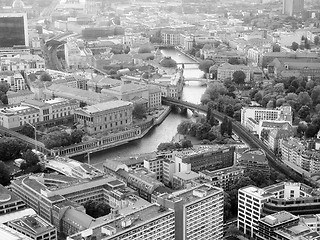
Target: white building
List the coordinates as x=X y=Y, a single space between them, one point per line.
x=250 y=202
x=14 y=79
x=198 y=212
x=282 y=113
x=76 y=56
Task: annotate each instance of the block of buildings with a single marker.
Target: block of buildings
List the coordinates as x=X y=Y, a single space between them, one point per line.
x=9 y=233
x=77 y=55
x=254 y=159
x=15 y=98
x=104 y=117
x=98 y=83
x=148 y=223
x=25 y=62
x=198 y=212
x=292 y=7
x=58 y=199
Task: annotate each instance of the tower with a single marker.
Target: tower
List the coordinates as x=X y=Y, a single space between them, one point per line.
x=291 y=7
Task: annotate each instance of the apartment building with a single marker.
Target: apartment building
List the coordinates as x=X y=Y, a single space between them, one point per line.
x=254 y=159
x=198 y=212
x=153 y=222
x=22 y=62
x=170 y=37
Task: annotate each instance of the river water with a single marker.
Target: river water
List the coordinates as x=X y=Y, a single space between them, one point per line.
x=164 y=132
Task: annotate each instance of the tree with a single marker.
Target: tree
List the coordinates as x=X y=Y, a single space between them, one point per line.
x=139 y=111
x=234 y=61
x=316 y=40
x=27 y=130
x=202 y=131
x=270 y=104
x=144 y=49
x=168 y=62
x=258 y=97
x=294 y=46
x=311 y=131
x=186 y=143
x=304 y=99
x=224 y=126
x=11 y=148
x=304 y=112
x=4 y=87
x=253 y=92
x=279 y=87
x=76 y=136
x=45 y=77
x=315 y=95
x=96 y=209
x=184 y=127
x=276 y=48
x=4 y=174
x=229 y=110
x=239 y=77
x=166 y=146
x=260 y=178
x=4 y=99
x=280 y=102
x=205 y=65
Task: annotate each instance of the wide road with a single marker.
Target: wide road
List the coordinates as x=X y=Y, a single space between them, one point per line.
x=248 y=138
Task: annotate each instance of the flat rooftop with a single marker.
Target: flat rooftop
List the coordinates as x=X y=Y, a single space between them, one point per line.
x=105 y=106
x=32 y=223
x=256 y=192
x=7 y=196
x=8 y=233
x=278 y=218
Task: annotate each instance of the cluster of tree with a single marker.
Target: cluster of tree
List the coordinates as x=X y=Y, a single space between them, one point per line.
x=31 y=164
x=305 y=44
x=221 y=97
x=156 y=37
x=97 y=209
x=4 y=174
x=45 y=77
x=169 y=146
x=144 y=49
x=195 y=50
x=205 y=65
x=58 y=138
x=139 y=111
x=168 y=62
x=11 y=148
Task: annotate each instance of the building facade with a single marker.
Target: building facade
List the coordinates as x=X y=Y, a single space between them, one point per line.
x=104 y=116
x=291 y=7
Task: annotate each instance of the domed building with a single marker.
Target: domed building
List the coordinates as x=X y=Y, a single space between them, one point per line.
x=18 y=4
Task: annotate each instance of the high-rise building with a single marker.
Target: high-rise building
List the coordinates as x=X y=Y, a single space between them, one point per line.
x=290 y=7
x=13 y=30
x=198 y=212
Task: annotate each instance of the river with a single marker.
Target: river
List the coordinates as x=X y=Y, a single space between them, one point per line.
x=163 y=133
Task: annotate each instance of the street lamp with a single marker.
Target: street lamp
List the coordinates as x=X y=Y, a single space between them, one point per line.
x=35 y=135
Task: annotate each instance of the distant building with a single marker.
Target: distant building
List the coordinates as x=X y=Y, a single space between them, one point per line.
x=19 y=96
x=9 y=202
x=14 y=30
x=106 y=116
x=226 y=70
x=76 y=56
x=198 y=207
x=14 y=79
x=291 y=7
x=170 y=37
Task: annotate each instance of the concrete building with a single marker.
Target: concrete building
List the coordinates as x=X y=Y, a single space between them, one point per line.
x=9 y=233
x=271 y=223
x=250 y=202
x=253 y=203
x=106 y=116
x=148 y=223
x=198 y=212
x=22 y=62
x=226 y=70
x=183 y=180
x=15 y=98
x=34 y=227
x=224 y=177
x=170 y=37
x=9 y=202
x=292 y=7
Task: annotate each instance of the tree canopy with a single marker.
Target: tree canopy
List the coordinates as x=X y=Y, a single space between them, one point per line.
x=96 y=209
x=239 y=77
x=168 y=62
x=139 y=111
x=205 y=65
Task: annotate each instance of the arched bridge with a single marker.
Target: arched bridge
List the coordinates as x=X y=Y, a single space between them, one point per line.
x=245 y=135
